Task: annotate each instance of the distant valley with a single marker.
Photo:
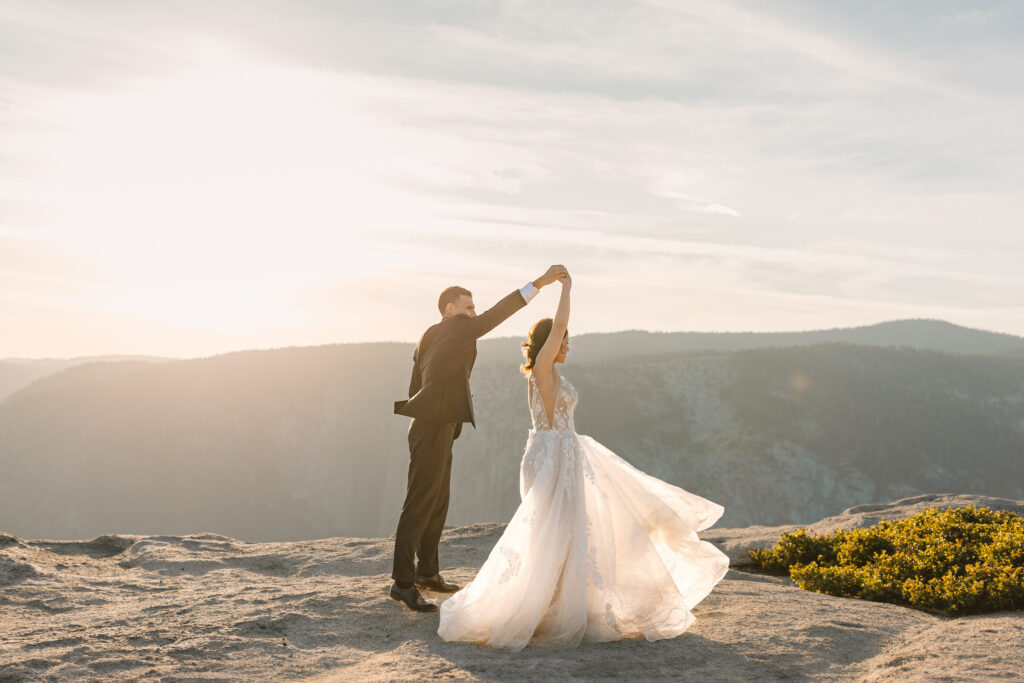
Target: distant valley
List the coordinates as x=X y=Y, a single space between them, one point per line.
x=299 y=443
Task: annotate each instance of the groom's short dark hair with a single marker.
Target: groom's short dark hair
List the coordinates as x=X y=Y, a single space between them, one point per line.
x=450 y=296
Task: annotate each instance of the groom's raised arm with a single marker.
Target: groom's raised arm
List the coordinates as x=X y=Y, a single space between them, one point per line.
x=499 y=312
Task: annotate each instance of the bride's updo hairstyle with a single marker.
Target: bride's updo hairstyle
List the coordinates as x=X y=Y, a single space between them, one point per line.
x=538 y=335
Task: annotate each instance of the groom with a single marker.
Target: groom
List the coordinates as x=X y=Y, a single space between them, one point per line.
x=439 y=402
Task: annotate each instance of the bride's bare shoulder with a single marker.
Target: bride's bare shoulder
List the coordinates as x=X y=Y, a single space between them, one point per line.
x=545 y=380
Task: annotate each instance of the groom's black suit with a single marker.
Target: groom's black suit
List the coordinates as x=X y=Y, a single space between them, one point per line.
x=439 y=402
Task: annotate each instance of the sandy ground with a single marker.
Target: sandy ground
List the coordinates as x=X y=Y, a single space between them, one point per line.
x=208 y=607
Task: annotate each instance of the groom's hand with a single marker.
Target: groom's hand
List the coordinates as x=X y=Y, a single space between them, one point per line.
x=553 y=273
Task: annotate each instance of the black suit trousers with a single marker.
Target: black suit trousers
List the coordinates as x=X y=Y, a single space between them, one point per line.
x=426 y=499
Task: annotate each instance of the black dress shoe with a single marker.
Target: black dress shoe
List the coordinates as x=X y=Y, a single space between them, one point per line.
x=412 y=598
x=435 y=583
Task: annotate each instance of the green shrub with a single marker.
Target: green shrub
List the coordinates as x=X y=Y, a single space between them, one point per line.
x=796 y=547
x=958 y=561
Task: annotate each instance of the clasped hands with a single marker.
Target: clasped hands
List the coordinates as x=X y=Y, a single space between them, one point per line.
x=556 y=273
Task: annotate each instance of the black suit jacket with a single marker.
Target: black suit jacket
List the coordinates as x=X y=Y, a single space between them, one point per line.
x=439 y=388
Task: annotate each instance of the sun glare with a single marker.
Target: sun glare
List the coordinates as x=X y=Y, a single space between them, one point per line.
x=214 y=192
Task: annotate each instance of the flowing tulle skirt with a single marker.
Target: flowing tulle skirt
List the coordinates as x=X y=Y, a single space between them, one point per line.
x=597 y=551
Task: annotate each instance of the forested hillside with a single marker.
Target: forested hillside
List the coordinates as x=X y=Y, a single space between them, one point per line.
x=300 y=442
x=18 y=373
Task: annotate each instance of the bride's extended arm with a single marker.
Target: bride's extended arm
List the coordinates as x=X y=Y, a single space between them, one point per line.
x=546 y=358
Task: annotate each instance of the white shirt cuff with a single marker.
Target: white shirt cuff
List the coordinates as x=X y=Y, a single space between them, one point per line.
x=528 y=291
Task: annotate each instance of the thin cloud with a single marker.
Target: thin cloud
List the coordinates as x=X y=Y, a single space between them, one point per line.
x=859 y=60
x=973 y=17
x=716 y=209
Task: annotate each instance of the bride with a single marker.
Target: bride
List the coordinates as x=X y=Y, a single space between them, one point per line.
x=597 y=550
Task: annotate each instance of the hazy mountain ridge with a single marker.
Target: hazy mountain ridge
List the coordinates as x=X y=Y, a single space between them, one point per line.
x=17 y=373
x=937 y=335
x=300 y=442
x=933 y=335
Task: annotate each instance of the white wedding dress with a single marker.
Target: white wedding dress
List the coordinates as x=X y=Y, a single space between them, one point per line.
x=597 y=550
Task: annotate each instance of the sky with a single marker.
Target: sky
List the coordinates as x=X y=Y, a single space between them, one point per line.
x=190 y=178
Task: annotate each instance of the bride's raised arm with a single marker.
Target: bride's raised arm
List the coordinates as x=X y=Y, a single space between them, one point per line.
x=546 y=358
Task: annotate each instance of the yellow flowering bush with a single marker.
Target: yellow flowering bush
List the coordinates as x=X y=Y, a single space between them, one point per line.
x=958 y=561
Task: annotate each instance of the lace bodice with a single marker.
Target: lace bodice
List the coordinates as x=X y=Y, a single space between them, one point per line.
x=565 y=402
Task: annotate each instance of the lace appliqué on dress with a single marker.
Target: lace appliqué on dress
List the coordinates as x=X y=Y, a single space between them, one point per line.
x=512 y=564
